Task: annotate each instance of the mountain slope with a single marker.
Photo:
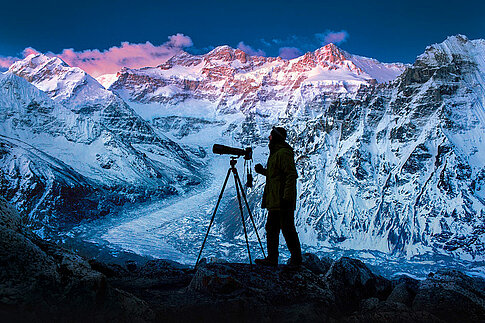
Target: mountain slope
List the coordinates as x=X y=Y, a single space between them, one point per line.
x=102 y=139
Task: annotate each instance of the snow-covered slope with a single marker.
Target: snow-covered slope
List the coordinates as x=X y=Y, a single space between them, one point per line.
x=400 y=169
x=90 y=129
x=43 y=188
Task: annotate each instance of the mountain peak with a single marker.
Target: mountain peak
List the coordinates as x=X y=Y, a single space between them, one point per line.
x=331 y=53
x=59 y=80
x=224 y=53
x=453 y=48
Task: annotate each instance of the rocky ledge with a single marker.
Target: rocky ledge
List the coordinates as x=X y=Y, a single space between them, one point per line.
x=40 y=281
x=322 y=290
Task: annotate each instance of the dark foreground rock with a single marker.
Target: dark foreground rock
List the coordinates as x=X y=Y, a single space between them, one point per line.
x=41 y=282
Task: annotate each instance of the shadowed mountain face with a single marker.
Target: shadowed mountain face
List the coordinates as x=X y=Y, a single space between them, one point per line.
x=401 y=169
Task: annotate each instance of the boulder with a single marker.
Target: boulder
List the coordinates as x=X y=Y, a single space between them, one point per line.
x=452 y=296
x=404 y=291
x=317 y=265
x=351 y=280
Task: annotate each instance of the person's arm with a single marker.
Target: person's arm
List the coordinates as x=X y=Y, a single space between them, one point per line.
x=258 y=168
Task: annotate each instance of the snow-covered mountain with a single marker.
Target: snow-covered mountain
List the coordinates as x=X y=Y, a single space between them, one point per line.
x=390 y=157
x=392 y=166
x=69 y=116
x=232 y=80
x=402 y=168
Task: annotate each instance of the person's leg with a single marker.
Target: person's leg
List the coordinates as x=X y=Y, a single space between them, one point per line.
x=273 y=234
x=290 y=234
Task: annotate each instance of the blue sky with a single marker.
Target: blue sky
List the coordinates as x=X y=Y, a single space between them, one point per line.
x=390 y=31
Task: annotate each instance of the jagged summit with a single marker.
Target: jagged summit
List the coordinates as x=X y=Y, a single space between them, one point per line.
x=63 y=83
x=456 y=49
x=229 y=77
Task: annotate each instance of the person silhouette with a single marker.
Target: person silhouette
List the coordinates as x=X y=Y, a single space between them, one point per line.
x=279 y=198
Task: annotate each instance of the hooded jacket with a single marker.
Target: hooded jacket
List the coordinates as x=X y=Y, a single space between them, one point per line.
x=280 y=189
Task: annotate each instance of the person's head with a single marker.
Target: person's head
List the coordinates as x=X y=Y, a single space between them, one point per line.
x=278 y=134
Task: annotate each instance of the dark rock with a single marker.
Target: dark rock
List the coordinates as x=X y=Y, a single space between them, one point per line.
x=317 y=265
x=369 y=304
x=390 y=312
x=39 y=281
x=452 y=296
x=131 y=265
x=109 y=270
x=214 y=282
x=265 y=293
x=351 y=281
x=404 y=291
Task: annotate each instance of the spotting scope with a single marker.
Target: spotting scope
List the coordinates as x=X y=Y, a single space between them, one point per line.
x=226 y=150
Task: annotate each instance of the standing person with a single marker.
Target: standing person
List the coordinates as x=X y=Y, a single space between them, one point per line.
x=279 y=198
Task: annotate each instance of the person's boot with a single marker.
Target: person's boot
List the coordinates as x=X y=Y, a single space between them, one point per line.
x=294 y=261
x=267 y=262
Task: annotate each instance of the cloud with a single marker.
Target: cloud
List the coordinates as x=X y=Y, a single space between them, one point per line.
x=5 y=62
x=249 y=50
x=289 y=52
x=335 y=37
x=96 y=62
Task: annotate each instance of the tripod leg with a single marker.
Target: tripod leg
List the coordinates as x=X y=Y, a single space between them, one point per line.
x=250 y=214
x=242 y=215
x=213 y=215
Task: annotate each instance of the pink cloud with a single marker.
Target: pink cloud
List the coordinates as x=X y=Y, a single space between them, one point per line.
x=333 y=37
x=5 y=62
x=96 y=62
x=289 y=52
x=249 y=50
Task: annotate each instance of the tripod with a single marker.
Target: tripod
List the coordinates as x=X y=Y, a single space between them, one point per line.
x=239 y=192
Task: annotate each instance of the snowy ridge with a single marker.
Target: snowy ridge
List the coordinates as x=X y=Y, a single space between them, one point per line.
x=235 y=81
x=38 y=184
